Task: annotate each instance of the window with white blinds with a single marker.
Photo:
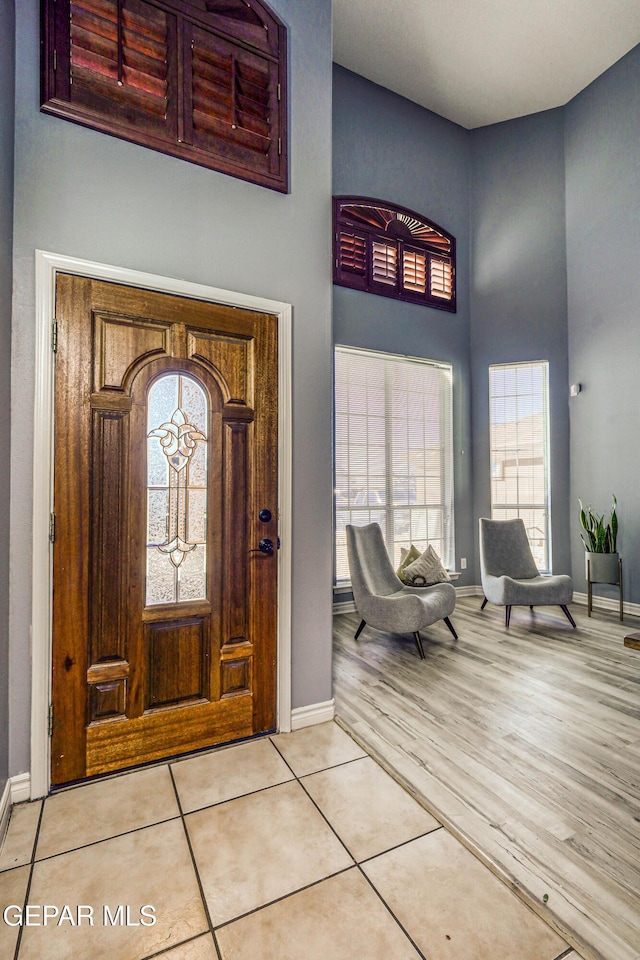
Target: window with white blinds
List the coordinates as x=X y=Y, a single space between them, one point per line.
x=519 y=437
x=393 y=452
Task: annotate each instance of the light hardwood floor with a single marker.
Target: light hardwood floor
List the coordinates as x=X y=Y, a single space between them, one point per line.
x=526 y=743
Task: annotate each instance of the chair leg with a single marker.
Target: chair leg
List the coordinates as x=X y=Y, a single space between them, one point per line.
x=507 y=616
x=567 y=614
x=360 y=629
x=530 y=606
x=450 y=625
x=418 y=640
x=484 y=603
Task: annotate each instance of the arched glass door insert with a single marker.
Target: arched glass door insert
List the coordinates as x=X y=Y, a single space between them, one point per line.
x=177 y=468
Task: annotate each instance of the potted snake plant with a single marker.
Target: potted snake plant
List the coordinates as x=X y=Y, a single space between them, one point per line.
x=601 y=558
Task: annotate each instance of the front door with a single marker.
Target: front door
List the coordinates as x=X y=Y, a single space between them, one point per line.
x=165 y=509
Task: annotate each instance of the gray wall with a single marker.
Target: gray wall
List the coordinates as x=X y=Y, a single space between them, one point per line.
x=88 y=195
x=7 y=63
x=387 y=147
x=518 y=288
x=603 y=250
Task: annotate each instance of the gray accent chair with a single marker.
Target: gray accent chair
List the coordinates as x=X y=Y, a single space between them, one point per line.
x=382 y=600
x=509 y=573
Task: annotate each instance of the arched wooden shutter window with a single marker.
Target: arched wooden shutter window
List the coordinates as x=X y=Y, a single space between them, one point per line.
x=204 y=80
x=389 y=250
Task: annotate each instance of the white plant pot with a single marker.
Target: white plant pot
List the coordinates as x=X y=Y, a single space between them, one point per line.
x=602 y=567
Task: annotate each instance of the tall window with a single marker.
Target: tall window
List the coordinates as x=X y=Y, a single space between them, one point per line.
x=393 y=452
x=519 y=412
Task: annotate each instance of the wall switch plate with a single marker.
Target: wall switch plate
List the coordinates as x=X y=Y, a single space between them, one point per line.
x=463 y=563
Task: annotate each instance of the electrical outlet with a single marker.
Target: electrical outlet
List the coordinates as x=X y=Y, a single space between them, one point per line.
x=463 y=563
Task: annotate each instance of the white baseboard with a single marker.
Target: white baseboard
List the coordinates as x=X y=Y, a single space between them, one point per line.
x=609 y=603
x=348 y=607
x=5 y=811
x=314 y=713
x=473 y=591
x=20 y=788
x=16 y=790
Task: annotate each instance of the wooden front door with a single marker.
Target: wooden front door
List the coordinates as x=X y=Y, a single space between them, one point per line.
x=165 y=501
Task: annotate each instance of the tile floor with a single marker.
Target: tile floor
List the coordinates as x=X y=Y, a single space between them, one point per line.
x=294 y=847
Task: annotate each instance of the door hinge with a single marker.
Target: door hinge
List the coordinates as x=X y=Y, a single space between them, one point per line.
x=50 y=720
x=55 y=60
x=279 y=92
x=279 y=146
x=54 y=335
x=52 y=527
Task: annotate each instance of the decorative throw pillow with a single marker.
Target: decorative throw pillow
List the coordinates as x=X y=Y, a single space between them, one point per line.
x=426 y=570
x=406 y=557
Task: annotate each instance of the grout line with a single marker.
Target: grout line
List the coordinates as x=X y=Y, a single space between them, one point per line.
x=295 y=779
x=195 y=866
x=404 y=843
x=333 y=829
x=330 y=766
x=115 y=836
x=361 y=871
x=285 y=896
x=28 y=890
x=281 y=755
x=315 y=883
x=18 y=866
x=173 y=946
x=358 y=864
x=390 y=911
x=249 y=793
x=330 y=825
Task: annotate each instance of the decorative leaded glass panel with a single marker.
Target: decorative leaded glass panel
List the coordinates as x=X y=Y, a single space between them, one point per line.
x=177 y=466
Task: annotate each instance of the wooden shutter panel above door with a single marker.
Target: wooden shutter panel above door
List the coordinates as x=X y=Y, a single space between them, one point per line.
x=118 y=66
x=231 y=102
x=204 y=80
x=250 y=23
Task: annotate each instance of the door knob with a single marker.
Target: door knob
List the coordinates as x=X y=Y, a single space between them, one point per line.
x=265 y=546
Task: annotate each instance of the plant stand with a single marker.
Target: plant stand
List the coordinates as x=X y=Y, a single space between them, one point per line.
x=615 y=583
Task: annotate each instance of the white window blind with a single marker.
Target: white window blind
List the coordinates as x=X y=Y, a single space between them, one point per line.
x=393 y=452
x=519 y=437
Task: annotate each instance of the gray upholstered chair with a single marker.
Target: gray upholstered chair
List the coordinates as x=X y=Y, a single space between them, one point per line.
x=509 y=573
x=382 y=600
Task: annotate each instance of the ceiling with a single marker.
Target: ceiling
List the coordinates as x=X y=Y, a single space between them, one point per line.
x=482 y=61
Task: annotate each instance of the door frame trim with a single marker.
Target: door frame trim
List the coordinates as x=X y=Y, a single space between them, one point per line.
x=47 y=266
